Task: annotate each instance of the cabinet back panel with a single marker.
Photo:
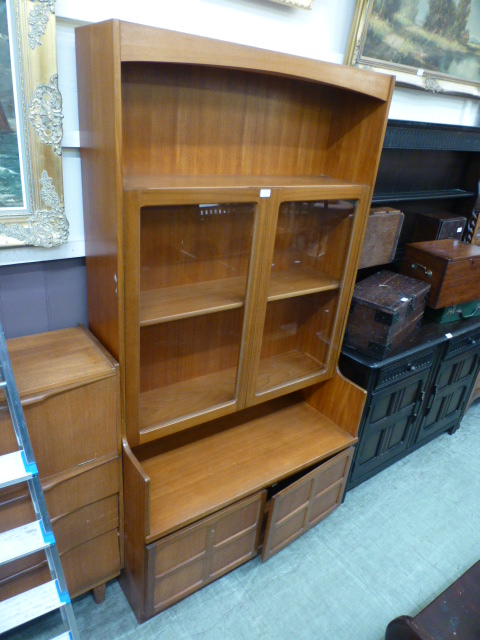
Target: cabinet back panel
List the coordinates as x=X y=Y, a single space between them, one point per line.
x=188 y=244
x=314 y=234
x=184 y=119
x=176 y=351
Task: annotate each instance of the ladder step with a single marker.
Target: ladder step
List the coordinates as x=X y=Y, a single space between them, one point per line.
x=22 y=541
x=12 y=469
x=30 y=605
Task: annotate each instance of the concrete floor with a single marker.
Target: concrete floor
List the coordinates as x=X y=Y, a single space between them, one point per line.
x=398 y=540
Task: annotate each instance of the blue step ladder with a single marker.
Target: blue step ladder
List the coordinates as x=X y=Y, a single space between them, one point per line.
x=17 y=467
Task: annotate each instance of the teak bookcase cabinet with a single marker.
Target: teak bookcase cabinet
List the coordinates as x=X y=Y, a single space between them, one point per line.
x=225 y=193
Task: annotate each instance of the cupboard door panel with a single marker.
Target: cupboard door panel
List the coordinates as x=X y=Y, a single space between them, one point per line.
x=303 y=504
x=303 y=293
x=187 y=560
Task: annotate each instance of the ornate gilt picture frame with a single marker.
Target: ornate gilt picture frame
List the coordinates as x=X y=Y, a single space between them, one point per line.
x=301 y=4
x=31 y=182
x=428 y=44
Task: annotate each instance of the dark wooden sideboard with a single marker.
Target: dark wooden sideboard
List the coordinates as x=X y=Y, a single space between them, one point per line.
x=414 y=395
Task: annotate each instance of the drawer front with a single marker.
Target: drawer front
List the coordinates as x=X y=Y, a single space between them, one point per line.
x=85 y=566
x=416 y=363
x=70 y=428
x=84 y=510
x=187 y=560
x=64 y=495
x=299 y=507
x=456 y=346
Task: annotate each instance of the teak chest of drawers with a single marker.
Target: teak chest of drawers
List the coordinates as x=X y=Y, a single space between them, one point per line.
x=225 y=190
x=69 y=387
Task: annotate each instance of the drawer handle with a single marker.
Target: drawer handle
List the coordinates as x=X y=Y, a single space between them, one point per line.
x=427 y=272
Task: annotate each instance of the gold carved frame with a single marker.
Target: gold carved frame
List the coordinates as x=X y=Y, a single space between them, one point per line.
x=42 y=222
x=427 y=79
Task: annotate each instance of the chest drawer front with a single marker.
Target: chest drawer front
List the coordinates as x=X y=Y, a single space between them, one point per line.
x=84 y=510
x=187 y=560
x=68 y=428
x=85 y=566
x=394 y=372
x=64 y=495
x=299 y=507
x=457 y=345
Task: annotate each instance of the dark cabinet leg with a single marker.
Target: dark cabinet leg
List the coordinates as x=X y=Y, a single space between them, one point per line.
x=99 y=593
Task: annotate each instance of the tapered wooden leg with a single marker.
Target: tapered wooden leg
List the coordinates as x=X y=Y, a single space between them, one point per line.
x=99 y=593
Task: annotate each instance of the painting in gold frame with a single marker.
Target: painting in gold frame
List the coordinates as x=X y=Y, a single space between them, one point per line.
x=301 y=4
x=31 y=181
x=429 y=44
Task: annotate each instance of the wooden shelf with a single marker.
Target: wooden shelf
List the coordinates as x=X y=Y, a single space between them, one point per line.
x=298 y=282
x=280 y=369
x=184 y=301
x=167 y=404
x=262 y=446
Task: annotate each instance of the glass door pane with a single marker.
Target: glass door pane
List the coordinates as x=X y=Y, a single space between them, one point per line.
x=193 y=280
x=310 y=255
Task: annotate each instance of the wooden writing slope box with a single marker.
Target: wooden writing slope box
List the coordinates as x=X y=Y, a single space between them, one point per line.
x=69 y=388
x=438 y=225
x=386 y=308
x=451 y=267
x=381 y=237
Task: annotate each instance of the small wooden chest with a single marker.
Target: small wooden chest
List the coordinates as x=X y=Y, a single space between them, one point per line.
x=381 y=237
x=438 y=225
x=386 y=308
x=451 y=267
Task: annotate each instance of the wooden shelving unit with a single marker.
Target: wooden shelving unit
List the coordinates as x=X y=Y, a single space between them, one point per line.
x=221 y=252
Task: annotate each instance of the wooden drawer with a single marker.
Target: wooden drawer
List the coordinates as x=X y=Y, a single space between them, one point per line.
x=64 y=494
x=411 y=365
x=83 y=508
x=69 y=387
x=300 y=506
x=191 y=558
x=85 y=567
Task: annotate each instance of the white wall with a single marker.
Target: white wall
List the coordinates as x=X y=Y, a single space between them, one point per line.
x=321 y=33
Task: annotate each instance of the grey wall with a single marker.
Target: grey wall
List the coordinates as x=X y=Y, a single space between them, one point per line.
x=43 y=296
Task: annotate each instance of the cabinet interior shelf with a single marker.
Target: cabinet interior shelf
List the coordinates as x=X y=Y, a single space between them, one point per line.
x=407 y=196
x=193 y=299
x=237 y=456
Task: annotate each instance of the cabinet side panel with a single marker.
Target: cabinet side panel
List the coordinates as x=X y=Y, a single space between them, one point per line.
x=136 y=526
x=356 y=140
x=340 y=400
x=98 y=74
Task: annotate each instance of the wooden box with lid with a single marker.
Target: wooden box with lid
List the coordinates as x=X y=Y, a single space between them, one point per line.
x=451 y=267
x=69 y=387
x=386 y=309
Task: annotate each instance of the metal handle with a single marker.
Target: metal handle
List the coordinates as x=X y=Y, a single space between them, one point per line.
x=427 y=272
x=470 y=315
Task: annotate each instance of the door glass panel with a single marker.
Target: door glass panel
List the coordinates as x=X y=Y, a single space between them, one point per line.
x=310 y=254
x=193 y=279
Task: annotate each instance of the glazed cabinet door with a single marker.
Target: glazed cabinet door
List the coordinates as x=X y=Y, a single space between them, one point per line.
x=307 y=285
x=188 y=268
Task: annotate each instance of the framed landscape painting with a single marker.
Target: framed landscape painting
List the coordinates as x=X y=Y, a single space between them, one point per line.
x=31 y=181
x=431 y=44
